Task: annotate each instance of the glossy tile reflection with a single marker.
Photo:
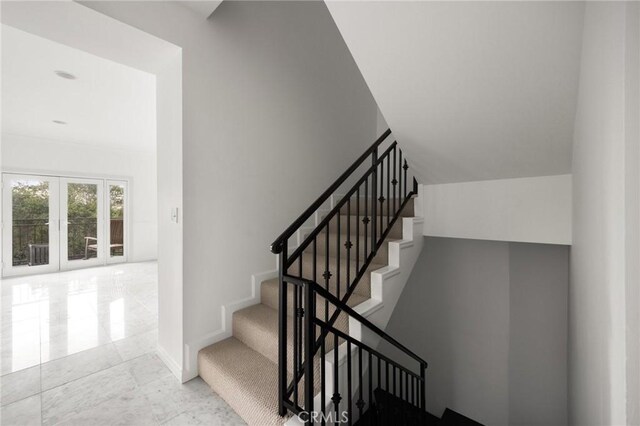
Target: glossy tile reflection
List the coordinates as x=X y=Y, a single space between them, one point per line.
x=79 y=348
x=51 y=316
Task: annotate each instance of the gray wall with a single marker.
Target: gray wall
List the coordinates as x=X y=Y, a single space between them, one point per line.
x=490 y=318
x=605 y=277
x=275 y=109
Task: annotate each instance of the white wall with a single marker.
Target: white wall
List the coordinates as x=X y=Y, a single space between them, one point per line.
x=473 y=90
x=274 y=110
x=77 y=26
x=604 y=257
x=536 y=210
x=490 y=318
x=33 y=155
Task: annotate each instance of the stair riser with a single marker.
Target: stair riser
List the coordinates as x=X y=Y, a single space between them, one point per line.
x=363 y=287
x=408 y=211
x=381 y=257
x=356 y=224
x=269 y=296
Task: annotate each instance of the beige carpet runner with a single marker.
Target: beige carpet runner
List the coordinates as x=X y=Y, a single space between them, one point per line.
x=243 y=369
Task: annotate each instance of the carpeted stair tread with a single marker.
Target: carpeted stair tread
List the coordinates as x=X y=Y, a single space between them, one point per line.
x=243 y=369
x=244 y=378
x=257 y=327
x=270 y=290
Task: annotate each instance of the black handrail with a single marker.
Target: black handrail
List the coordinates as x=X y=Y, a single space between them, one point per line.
x=347 y=295
x=277 y=245
x=382 y=196
x=338 y=206
x=341 y=306
x=361 y=345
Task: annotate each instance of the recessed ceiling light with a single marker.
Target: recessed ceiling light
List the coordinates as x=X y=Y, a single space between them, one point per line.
x=64 y=74
x=59 y=122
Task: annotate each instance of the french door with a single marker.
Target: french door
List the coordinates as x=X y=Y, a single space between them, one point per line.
x=82 y=223
x=60 y=223
x=30 y=224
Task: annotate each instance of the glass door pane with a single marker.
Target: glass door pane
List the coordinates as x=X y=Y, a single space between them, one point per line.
x=82 y=223
x=116 y=225
x=30 y=220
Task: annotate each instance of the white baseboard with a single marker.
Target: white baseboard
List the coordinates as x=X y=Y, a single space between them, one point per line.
x=171 y=364
x=192 y=348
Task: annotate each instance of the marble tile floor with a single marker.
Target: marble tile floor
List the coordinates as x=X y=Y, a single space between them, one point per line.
x=78 y=348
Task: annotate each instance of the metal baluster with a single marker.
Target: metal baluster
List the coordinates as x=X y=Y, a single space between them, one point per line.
x=402 y=396
x=422 y=388
x=395 y=379
x=413 y=390
x=387 y=389
x=300 y=331
x=327 y=273
x=366 y=219
x=395 y=183
x=315 y=260
x=406 y=386
x=309 y=345
x=379 y=375
x=323 y=402
x=381 y=199
x=400 y=177
x=338 y=258
x=300 y=265
x=405 y=167
x=386 y=376
x=374 y=200
x=360 y=403
x=282 y=326
x=388 y=190
x=295 y=343
x=300 y=320
x=336 y=395
x=370 y=366
x=349 y=398
x=348 y=244
x=358 y=230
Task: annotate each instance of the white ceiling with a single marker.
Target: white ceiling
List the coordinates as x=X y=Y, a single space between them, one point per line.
x=472 y=90
x=108 y=105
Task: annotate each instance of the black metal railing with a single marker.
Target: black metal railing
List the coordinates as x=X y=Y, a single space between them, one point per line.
x=367 y=369
x=26 y=232
x=337 y=252
x=77 y=229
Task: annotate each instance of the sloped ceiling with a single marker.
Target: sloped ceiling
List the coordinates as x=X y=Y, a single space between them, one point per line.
x=472 y=90
x=204 y=8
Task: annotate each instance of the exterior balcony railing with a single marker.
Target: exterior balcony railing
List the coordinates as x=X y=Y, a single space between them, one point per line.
x=35 y=232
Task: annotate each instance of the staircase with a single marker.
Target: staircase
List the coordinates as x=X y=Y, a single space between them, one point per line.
x=389 y=409
x=304 y=349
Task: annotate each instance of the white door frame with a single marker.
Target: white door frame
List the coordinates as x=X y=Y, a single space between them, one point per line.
x=58 y=231
x=125 y=224
x=7 y=226
x=58 y=21
x=65 y=263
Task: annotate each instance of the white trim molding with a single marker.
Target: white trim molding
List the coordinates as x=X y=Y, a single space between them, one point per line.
x=191 y=349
